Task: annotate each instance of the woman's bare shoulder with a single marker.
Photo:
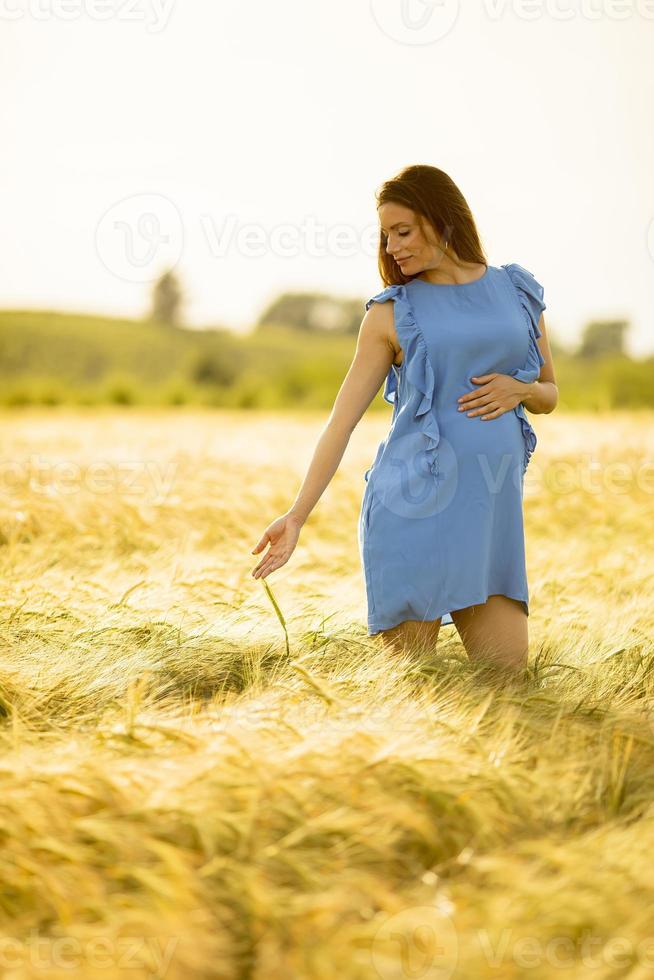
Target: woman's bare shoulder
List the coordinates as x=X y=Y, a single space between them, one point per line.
x=379 y=320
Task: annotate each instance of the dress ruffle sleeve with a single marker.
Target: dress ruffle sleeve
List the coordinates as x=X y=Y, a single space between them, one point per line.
x=530 y=296
x=415 y=371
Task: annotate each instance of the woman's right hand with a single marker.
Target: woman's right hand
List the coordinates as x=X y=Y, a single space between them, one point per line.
x=282 y=535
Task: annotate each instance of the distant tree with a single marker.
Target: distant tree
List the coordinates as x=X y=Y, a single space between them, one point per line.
x=167 y=299
x=601 y=337
x=291 y=309
x=314 y=312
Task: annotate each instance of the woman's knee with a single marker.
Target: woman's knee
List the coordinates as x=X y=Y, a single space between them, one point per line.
x=495 y=631
x=411 y=636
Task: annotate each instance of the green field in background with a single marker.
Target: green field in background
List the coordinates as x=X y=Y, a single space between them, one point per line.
x=60 y=358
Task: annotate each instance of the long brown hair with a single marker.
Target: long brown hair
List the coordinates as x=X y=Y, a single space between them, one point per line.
x=435 y=198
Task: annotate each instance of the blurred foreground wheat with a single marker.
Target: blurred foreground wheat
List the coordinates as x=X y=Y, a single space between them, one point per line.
x=185 y=796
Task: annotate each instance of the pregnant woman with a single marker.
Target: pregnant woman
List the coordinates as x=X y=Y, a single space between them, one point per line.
x=462 y=349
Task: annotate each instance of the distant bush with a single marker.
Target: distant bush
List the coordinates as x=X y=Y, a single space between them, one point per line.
x=121 y=394
x=214 y=370
x=177 y=397
x=629 y=382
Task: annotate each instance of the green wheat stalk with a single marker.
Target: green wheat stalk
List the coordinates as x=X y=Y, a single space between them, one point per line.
x=280 y=615
x=318 y=688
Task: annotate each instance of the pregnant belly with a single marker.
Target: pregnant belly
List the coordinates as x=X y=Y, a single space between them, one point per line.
x=478 y=460
x=472 y=462
x=471 y=436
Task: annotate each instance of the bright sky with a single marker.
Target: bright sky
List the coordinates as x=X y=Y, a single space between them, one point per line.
x=245 y=141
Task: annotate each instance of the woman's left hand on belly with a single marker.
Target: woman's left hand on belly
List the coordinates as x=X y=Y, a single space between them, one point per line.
x=498 y=393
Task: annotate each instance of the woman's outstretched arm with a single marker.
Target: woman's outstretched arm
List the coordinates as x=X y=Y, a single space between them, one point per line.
x=371 y=363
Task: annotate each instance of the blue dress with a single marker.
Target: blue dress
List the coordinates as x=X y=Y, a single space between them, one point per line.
x=441 y=522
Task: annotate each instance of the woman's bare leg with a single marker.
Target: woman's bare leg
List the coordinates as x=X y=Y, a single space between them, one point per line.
x=411 y=636
x=494 y=633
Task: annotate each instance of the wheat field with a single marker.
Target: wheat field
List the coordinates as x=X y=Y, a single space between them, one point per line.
x=206 y=776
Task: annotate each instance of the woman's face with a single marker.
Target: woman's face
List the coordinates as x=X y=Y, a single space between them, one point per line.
x=405 y=241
